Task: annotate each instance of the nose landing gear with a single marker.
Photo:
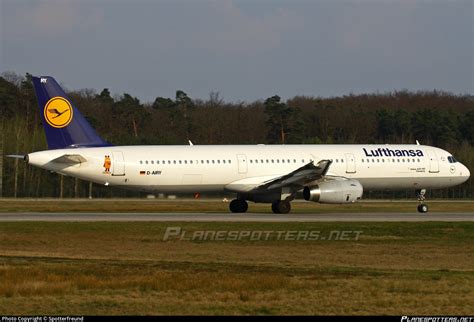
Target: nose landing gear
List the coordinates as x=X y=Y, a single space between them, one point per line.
x=422 y=207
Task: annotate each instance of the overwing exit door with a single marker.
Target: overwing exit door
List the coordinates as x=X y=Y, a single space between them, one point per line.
x=242 y=160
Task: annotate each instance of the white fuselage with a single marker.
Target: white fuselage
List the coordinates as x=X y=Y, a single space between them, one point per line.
x=239 y=168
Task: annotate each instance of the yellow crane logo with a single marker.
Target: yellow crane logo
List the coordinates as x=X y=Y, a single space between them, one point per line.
x=58 y=112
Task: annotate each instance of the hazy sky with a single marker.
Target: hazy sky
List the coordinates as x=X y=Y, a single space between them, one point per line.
x=245 y=50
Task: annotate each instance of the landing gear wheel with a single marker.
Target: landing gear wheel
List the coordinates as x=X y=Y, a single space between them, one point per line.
x=281 y=207
x=238 y=206
x=423 y=208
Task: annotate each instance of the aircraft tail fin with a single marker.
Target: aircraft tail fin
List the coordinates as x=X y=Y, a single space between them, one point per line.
x=64 y=125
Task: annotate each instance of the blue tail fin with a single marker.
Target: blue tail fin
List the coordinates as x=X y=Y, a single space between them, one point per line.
x=64 y=125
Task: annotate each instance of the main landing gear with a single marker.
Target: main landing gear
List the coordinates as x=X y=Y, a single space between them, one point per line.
x=281 y=207
x=278 y=206
x=238 y=206
x=422 y=207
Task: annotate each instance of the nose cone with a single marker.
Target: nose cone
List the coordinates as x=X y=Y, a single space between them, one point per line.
x=465 y=174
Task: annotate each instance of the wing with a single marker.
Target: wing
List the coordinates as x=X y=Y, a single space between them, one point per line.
x=70 y=159
x=295 y=179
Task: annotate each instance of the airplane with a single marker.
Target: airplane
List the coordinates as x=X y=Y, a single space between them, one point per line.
x=274 y=174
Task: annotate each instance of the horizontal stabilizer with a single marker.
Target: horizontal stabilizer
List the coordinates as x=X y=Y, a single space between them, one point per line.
x=16 y=156
x=70 y=159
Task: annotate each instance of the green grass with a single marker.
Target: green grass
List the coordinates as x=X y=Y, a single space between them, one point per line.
x=126 y=268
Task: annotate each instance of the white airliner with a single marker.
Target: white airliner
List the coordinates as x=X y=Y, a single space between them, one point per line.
x=260 y=173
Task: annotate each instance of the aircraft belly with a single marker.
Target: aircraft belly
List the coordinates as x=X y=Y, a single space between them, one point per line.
x=397 y=183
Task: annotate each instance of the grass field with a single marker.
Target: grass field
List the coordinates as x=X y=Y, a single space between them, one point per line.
x=215 y=206
x=126 y=268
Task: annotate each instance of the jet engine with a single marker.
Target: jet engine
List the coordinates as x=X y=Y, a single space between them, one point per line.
x=334 y=191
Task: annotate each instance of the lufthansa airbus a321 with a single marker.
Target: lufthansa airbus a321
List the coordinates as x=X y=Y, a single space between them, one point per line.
x=271 y=174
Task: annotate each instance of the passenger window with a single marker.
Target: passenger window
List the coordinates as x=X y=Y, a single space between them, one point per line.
x=213 y=161
x=230 y=161
x=207 y=161
x=223 y=161
x=141 y=162
x=174 y=161
x=251 y=161
x=219 y=161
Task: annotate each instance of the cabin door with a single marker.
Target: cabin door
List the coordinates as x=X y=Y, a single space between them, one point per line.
x=350 y=163
x=434 y=164
x=118 y=164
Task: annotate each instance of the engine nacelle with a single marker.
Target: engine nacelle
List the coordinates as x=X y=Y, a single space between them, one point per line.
x=334 y=191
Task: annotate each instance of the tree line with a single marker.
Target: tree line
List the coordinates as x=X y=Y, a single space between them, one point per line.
x=431 y=117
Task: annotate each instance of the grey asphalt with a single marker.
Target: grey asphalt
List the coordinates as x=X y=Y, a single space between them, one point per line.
x=247 y=217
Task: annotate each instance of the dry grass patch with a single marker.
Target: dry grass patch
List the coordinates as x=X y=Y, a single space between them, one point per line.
x=125 y=268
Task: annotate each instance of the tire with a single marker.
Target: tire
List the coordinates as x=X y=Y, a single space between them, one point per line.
x=275 y=207
x=284 y=207
x=281 y=207
x=422 y=208
x=238 y=206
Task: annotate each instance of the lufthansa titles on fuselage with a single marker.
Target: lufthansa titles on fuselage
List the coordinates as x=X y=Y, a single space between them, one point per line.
x=386 y=152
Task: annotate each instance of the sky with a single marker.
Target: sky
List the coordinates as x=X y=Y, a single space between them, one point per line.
x=245 y=50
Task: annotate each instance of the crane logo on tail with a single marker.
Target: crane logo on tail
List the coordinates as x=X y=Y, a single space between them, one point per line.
x=58 y=112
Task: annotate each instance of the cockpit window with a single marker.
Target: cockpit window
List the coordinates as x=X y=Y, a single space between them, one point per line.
x=452 y=159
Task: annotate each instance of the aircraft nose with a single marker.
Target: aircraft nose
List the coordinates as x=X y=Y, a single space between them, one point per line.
x=465 y=173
